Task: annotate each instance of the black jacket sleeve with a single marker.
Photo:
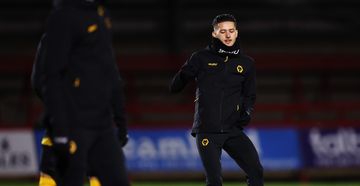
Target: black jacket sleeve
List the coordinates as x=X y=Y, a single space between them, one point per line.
x=187 y=72
x=60 y=34
x=37 y=73
x=118 y=105
x=249 y=89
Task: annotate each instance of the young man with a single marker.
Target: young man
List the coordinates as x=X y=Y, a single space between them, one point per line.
x=76 y=77
x=225 y=97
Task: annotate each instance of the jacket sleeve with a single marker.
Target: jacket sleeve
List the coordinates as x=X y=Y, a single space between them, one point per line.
x=118 y=105
x=59 y=40
x=37 y=73
x=249 y=89
x=186 y=73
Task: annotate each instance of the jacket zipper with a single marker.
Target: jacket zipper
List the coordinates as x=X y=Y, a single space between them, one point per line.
x=221 y=104
x=222 y=97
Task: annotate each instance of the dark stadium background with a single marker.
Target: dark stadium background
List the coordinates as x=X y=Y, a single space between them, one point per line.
x=307 y=54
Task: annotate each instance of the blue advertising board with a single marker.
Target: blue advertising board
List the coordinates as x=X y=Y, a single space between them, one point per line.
x=161 y=150
x=279 y=148
x=175 y=150
x=38 y=134
x=338 y=147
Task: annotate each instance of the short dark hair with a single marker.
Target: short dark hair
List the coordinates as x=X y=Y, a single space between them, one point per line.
x=222 y=18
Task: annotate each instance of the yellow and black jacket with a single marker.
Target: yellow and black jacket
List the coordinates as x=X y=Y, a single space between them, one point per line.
x=75 y=71
x=226 y=90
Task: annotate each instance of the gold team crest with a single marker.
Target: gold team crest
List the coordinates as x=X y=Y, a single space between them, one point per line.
x=239 y=69
x=92 y=28
x=204 y=142
x=73 y=147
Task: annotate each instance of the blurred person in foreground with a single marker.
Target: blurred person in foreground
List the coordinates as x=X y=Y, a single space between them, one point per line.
x=225 y=97
x=76 y=76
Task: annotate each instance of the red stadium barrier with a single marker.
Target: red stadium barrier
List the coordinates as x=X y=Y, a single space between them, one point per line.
x=264 y=61
x=296 y=113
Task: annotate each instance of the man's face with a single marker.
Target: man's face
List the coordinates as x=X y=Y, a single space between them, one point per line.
x=226 y=32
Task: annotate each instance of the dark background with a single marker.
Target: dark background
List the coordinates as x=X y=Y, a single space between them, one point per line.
x=306 y=52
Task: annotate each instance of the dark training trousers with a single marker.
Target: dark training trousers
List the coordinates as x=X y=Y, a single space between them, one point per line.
x=97 y=151
x=238 y=146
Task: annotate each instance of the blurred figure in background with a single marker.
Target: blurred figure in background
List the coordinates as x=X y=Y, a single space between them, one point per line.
x=225 y=97
x=76 y=76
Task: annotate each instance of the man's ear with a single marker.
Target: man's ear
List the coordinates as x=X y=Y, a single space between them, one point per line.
x=213 y=33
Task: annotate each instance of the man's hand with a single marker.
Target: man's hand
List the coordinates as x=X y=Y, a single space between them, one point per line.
x=245 y=118
x=123 y=139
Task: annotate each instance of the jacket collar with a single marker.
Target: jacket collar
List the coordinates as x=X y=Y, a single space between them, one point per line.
x=219 y=48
